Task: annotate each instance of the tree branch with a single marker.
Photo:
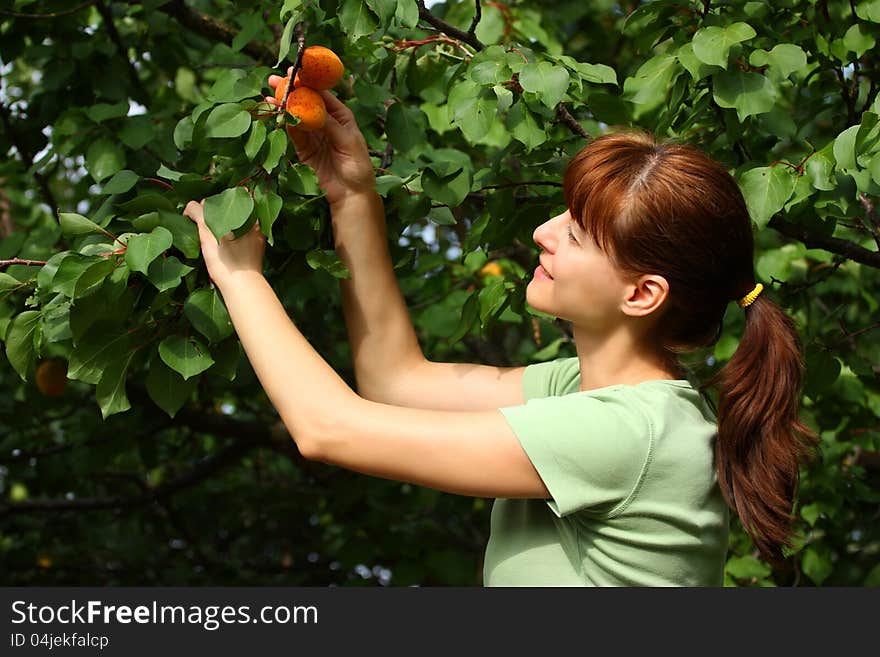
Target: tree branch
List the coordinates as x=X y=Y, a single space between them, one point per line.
x=213 y=29
x=451 y=30
x=565 y=117
x=836 y=245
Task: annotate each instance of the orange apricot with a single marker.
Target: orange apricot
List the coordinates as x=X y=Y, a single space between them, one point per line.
x=321 y=68
x=307 y=105
x=52 y=377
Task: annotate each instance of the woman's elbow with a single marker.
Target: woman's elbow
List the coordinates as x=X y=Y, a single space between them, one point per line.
x=316 y=443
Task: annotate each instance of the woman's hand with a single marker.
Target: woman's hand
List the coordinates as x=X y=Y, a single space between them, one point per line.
x=338 y=152
x=228 y=257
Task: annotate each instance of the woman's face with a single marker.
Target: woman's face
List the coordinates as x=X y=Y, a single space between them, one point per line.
x=575 y=280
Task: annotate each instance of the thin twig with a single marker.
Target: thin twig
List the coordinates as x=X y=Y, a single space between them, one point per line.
x=20 y=261
x=472 y=30
x=566 y=118
x=848 y=249
x=451 y=30
x=54 y=14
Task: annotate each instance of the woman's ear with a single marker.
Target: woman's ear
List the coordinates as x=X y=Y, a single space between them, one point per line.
x=645 y=295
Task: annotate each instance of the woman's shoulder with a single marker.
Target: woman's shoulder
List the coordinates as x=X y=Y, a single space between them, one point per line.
x=552 y=378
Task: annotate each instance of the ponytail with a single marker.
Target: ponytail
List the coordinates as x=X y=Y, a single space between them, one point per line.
x=761 y=440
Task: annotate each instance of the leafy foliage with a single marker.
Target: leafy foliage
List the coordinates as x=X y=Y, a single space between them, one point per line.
x=470 y=123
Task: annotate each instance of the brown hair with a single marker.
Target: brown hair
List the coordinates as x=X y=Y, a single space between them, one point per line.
x=669 y=209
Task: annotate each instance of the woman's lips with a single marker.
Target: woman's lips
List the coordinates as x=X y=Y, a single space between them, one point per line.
x=540 y=272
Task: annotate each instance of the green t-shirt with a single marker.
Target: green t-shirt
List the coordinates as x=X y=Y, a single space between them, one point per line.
x=635 y=498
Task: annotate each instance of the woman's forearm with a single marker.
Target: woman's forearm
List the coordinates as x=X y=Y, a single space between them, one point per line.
x=383 y=340
x=304 y=389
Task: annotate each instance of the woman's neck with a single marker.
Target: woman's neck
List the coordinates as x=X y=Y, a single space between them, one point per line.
x=620 y=359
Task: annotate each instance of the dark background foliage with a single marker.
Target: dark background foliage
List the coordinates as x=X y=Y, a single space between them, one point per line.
x=162 y=462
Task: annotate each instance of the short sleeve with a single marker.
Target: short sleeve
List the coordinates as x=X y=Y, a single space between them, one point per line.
x=591 y=451
x=555 y=377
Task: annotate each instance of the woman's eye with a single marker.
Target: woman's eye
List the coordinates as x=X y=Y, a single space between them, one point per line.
x=571 y=235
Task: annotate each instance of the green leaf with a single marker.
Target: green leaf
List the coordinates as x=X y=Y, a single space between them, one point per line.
x=167 y=388
x=874 y=168
x=548 y=81
x=21 y=336
x=783 y=60
x=228 y=210
x=747 y=567
x=251 y=24
x=205 y=310
x=384 y=9
x=72 y=268
x=405 y=126
x=91 y=279
x=8 y=283
x=144 y=248
x=471 y=111
x=104 y=158
x=290 y=8
x=76 y=224
x=356 y=19
x=749 y=93
x=766 y=189
x=869 y=10
x=712 y=44
x=811 y=513
x=234 y=85
x=137 y=132
x=103 y=344
x=277 y=148
x=287 y=38
x=816 y=565
x=442 y=216
x=327 y=260
x=858 y=40
x=110 y=391
x=492 y=297
x=121 y=182
x=103 y=111
x=845 y=149
x=504 y=97
x=450 y=189
x=144 y=203
x=185 y=355
x=256 y=139
x=165 y=273
x=268 y=206
x=819 y=169
x=183 y=132
x=184 y=233
x=301 y=179
x=469 y=314
x=226 y=357
x=651 y=83
x=697 y=68
x=524 y=126
x=407 y=13
x=227 y=120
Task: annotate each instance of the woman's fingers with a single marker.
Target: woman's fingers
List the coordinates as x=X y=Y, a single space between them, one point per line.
x=195 y=211
x=336 y=108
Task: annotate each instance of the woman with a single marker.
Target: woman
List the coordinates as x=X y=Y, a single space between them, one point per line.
x=604 y=465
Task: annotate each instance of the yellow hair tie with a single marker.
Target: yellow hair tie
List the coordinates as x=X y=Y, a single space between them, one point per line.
x=749 y=299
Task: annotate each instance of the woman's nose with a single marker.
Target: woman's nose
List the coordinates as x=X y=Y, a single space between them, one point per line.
x=545 y=235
